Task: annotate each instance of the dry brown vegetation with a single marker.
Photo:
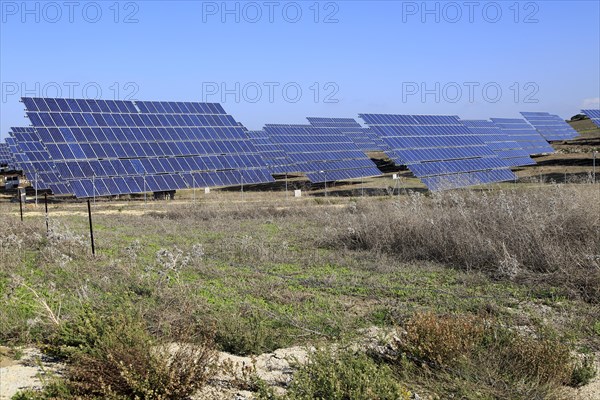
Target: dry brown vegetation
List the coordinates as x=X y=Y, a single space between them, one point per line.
x=550 y=235
x=498 y=361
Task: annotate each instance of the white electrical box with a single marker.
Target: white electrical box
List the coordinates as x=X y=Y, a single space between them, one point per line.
x=207 y=190
x=298 y=193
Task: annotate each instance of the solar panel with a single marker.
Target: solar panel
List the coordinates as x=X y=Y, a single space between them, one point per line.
x=594 y=115
x=508 y=150
x=104 y=147
x=322 y=154
x=364 y=138
x=524 y=134
x=275 y=158
x=550 y=126
x=35 y=162
x=21 y=160
x=6 y=160
x=439 y=150
x=16 y=156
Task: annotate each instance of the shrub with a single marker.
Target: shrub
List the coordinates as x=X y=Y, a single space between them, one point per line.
x=115 y=357
x=344 y=375
x=481 y=356
x=442 y=340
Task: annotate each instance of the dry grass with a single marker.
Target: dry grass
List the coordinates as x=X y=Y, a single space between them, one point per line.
x=546 y=235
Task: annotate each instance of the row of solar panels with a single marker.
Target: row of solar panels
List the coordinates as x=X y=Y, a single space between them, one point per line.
x=94 y=148
x=443 y=151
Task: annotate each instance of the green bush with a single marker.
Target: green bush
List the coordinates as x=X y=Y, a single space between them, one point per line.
x=584 y=372
x=344 y=375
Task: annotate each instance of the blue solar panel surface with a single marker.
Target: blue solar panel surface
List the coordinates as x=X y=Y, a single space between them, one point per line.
x=364 y=138
x=509 y=150
x=104 y=147
x=22 y=161
x=439 y=150
x=275 y=158
x=550 y=126
x=6 y=159
x=323 y=154
x=524 y=134
x=594 y=115
x=35 y=162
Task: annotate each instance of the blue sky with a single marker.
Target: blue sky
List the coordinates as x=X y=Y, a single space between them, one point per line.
x=278 y=62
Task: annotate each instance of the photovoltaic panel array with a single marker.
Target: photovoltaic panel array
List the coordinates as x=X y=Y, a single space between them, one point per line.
x=104 y=147
x=5 y=156
x=322 y=154
x=20 y=160
x=14 y=152
x=274 y=157
x=439 y=150
x=550 y=126
x=524 y=134
x=594 y=115
x=508 y=150
x=33 y=159
x=364 y=138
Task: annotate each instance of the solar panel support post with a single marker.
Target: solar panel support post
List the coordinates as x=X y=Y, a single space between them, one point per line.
x=362 y=186
x=145 y=191
x=20 y=202
x=36 y=189
x=595 y=155
x=286 y=186
x=91 y=227
x=46 y=207
x=194 y=186
x=325 y=172
x=242 y=180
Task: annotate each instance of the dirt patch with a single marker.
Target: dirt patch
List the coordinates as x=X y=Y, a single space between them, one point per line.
x=26 y=373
